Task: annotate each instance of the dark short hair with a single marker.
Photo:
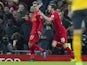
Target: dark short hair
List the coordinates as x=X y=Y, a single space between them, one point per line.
x=35 y=2
x=53 y=6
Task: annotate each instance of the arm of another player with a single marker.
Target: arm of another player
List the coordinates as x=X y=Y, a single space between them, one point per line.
x=49 y=19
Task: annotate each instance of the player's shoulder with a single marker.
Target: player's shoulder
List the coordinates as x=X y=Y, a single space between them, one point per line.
x=56 y=13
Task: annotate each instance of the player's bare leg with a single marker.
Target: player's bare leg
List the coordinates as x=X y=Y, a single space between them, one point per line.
x=33 y=47
x=65 y=45
x=77 y=46
x=54 y=43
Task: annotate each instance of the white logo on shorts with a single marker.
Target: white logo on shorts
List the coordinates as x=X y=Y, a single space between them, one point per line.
x=63 y=39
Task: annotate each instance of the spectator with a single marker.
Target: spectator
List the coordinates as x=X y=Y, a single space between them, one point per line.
x=16 y=18
x=1 y=29
x=1 y=10
x=46 y=2
x=84 y=42
x=27 y=2
x=41 y=5
x=70 y=35
x=25 y=29
x=46 y=37
x=1 y=6
x=13 y=4
x=22 y=11
x=5 y=45
x=66 y=19
x=10 y=28
x=18 y=41
x=7 y=15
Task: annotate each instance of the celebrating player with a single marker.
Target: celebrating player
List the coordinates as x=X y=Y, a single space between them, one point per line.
x=37 y=24
x=61 y=34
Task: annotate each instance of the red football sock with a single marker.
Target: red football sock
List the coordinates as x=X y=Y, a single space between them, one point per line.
x=70 y=52
x=32 y=53
x=38 y=48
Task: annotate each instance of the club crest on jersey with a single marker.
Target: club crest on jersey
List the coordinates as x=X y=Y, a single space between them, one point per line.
x=33 y=19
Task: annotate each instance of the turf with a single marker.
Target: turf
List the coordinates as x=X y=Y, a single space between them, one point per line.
x=39 y=63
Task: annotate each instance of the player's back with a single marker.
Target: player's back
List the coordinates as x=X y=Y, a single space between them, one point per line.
x=79 y=4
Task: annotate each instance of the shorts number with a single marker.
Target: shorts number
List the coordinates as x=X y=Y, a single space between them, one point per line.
x=63 y=39
x=31 y=37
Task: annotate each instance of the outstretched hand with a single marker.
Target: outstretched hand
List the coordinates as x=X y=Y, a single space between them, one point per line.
x=26 y=17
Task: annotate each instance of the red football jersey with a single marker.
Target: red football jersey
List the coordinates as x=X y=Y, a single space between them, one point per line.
x=57 y=23
x=37 y=23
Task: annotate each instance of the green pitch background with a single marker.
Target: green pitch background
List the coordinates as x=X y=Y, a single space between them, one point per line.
x=39 y=63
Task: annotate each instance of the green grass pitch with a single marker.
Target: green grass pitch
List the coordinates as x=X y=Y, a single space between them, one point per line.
x=39 y=63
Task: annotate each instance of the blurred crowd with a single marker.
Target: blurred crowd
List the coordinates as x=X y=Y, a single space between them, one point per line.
x=14 y=27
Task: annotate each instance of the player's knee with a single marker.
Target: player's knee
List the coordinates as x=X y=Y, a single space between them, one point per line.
x=54 y=44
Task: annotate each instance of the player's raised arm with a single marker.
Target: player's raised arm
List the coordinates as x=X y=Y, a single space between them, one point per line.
x=51 y=8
